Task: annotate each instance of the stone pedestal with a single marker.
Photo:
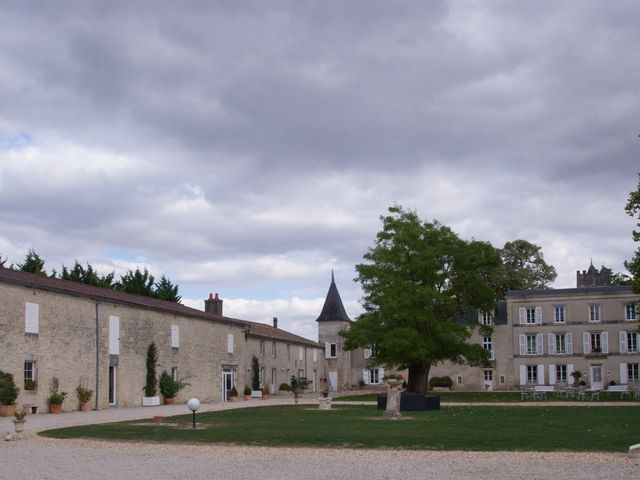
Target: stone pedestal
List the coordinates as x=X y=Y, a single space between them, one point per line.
x=325 y=403
x=394 y=389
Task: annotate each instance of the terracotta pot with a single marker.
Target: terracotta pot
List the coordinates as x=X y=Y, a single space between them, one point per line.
x=247 y=397
x=234 y=399
x=169 y=401
x=7 y=410
x=55 y=409
x=266 y=396
x=157 y=418
x=85 y=407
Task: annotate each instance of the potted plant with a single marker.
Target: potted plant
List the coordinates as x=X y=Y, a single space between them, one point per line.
x=169 y=387
x=247 y=392
x=8 y=394
x=233 y=395
x=19 y=421
x=393 y=379
x=30 y=385
x=298 y=384
x=151 y=399
x=56 y=397
x=266 y=393
x=255 y=378
x=84 y=397
x=576 y=374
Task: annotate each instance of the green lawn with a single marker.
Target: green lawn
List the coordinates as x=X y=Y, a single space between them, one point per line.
x=484 y=397
x=451 y=428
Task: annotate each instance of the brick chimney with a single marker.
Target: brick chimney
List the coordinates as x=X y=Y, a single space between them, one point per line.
x=213 y=305
x=275 y=322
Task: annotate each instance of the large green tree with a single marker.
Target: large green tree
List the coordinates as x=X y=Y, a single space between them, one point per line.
x=165 y=290
x=139 y=283
x=420 y=283
x=633 y=209
x=524 y=267
x=88 y=275
x=33 y=263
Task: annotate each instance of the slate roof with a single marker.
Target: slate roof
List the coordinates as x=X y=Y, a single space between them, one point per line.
x=333 y=309
x=99 y=294
x=600 y=290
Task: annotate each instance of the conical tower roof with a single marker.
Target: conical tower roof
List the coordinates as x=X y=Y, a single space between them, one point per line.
x=333 y=309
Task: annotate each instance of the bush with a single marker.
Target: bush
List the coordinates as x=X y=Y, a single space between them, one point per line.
x=169 y=387
x=234 y=392
x=247 y=390
x=266 y=390
x=445 y=382
x=84 y=394
x=56 y=397
x=8 y=389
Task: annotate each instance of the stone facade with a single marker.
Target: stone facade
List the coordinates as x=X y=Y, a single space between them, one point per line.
x=99 y=338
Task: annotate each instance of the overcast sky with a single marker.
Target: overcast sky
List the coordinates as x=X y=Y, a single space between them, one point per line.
x=249 y=148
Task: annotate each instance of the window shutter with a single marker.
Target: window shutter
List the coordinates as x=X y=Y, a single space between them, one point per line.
x=380 y=374
x=539 y=315
x=114 y=335
x=568 y=340
x=301 y=354
x=365 y=376
x=540 y=374
x=623 y=342
x=327 y=350
x=367 y=353
x=586 y=347
x=551 y=340
x=523 y=374
x=569 y=372
x=315 y=355
x=604 y=342
x=31 y=317
x=540 y=344
x=552 y=374
x=523 y=344
x=230 y=343
x=624 y=379
x=522 y=314
x=175 y=336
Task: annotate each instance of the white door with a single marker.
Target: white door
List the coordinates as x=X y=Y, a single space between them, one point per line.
x=488 y=379
x=333 y=381
x=596 y=377
x=228 y=382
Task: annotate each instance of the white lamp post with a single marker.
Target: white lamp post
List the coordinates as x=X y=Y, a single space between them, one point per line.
x=193 y=404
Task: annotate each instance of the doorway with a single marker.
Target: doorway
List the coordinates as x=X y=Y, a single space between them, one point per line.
x=112 y=385
x=228 y=382
x=596 y=377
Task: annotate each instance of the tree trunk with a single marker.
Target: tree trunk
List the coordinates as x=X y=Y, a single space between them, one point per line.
x=418 y=377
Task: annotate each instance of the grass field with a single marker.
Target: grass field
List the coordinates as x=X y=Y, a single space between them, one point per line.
x=483 y=397
x=452 y=428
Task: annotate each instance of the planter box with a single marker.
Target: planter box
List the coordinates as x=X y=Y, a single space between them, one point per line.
x=256 y=393
x=412 y=402
x=151 y=401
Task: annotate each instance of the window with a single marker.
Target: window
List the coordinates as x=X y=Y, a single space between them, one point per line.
x=330 y=350
x=274 y=350
x=561 y=343
x=559 y=314
x=174 y=373
x=300 y=373
x=632 y=342
x=531 y=344
x=630 y=311
x=230 y=343
x=262 y=348
x=486 y=318
x=595 y=342
x=367 y=352
x=30 y=375
x=561 y=374
x=301 y=353
x=288 y=352
x=488 y=375
x=532 y=374
x=315 y=355
x=261 y=375
x=632 y=373
x=594 y=313
x=503 y=379
x=530 y=315
x=31 y=317
x=373 y=376
x=487 y=344
x=175 y=336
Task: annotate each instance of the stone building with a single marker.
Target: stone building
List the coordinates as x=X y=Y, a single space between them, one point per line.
x=99 y=338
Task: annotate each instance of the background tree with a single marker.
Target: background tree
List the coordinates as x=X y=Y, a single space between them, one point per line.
x=420 y=281
x=165 y=290
x=2 y=262
x=524 y=267
x=633 y=210
x=87 y=275
x=139 y=283
x=32 y=263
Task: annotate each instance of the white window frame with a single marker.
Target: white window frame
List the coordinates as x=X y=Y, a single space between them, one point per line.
x=633 y=372
x=301 y=354
x=633 y=342
x=30 y=374
x=532 y=374
x=330 y=350
x=559 y=374
x=594 y=313
x=229 y=342
x=559 y=314
x=486 y=318
x=31 y=318
x=630 y=312
x=175 y=336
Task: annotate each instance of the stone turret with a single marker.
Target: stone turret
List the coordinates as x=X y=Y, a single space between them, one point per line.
x=593 y=278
